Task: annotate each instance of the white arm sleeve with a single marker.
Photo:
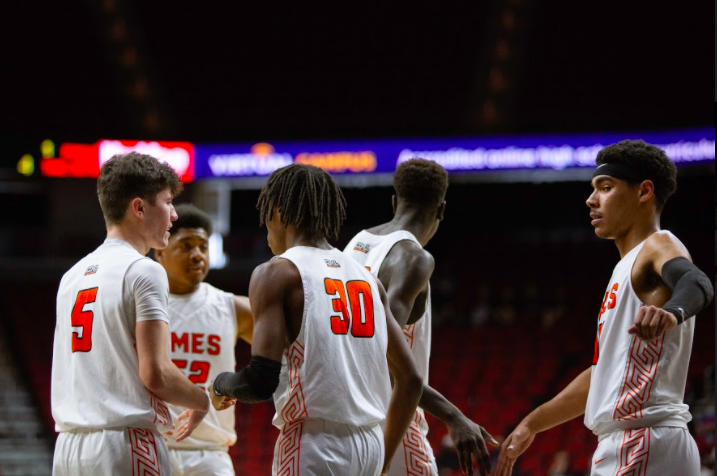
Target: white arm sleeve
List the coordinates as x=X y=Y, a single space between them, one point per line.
x=148 y=287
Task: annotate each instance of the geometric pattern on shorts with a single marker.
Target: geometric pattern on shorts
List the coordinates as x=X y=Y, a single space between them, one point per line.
x=634 y=452
x=145 y=461
x=287 y=458
x=414 y=449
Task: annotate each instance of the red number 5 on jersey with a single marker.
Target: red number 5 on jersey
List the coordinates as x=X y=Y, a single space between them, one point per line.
x=83 y=319
x=361 y=303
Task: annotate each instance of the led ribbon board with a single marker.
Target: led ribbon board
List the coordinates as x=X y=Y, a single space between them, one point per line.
x=457 y=155
x=366 y=157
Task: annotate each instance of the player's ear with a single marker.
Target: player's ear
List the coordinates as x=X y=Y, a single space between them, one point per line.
x=646 y=190
x=441 y=211
x=137 y=207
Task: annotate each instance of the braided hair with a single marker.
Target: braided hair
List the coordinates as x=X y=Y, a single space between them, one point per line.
x=307 y=198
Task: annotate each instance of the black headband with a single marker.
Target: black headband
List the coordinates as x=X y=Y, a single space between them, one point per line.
x=629 y=174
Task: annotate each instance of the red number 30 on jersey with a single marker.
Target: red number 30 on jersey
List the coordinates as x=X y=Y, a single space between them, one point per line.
x=361 y=302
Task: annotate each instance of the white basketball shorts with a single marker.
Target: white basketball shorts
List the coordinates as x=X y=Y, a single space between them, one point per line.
x=320 y=447
x=658 y=451
x=414 y=456
x=111 y=451
x=201 y=463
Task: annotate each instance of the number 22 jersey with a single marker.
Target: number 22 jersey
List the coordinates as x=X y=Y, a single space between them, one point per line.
x=204 y=329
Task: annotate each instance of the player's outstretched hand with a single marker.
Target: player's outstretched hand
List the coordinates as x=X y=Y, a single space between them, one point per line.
x=513 y=446
x=218 y=402
x=469 y=440
x=651 y=322
x=188 y=421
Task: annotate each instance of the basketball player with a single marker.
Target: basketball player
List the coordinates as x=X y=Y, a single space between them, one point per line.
x=206 y=323
x=321 y=331
x=111 y=372
x=632 y=395
x=394 y=253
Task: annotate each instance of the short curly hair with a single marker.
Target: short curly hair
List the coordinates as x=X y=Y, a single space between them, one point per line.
x=128 y=176
x=649 y=159
x=191 y=217
x=421 y=181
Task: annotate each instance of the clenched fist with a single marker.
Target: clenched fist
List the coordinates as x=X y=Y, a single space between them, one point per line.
x=651 y=322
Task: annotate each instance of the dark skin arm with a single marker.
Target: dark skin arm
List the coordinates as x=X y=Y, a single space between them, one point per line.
x=405 y=273
x=245 y=321
x=276 y=297
x=277 y=301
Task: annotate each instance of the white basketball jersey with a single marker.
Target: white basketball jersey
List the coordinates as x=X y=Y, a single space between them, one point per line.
x=635 y=383
x=370 y=250
x=95 y=369
x=204 y=329
x=336 y=369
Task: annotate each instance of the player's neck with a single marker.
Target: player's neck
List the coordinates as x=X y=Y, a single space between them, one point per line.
x=181 y=289
x=134 y=239
x=297 y=238
x=417 y=222
x=636 y=234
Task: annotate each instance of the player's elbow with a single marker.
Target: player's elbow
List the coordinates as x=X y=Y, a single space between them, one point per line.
x=154 y=378
x=415 y=386
x=410 y=381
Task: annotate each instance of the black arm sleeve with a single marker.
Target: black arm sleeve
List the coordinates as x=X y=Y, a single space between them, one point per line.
x=691 y=288
x=253 y=384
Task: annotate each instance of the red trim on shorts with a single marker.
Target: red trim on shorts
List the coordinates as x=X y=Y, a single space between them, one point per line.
x=634 y=452
x=145 y=458
x=287 y=459
x=414 y=449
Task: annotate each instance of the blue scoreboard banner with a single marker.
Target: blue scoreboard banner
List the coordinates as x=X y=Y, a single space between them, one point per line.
x=457 y=155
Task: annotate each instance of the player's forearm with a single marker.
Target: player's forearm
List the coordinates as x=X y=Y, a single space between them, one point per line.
x=171 y=386
x=568 y=404
x=438 y=406
x=401 y=409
